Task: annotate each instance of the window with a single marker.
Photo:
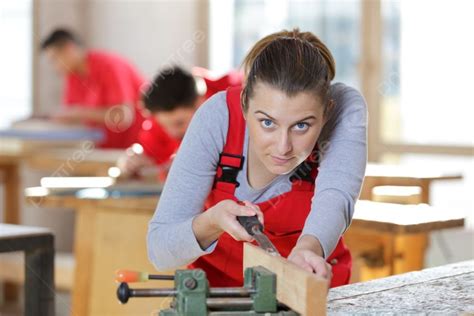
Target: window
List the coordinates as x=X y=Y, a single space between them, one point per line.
x=15 y=61
x=425 y=89
x=335 y=22
x=425 y=99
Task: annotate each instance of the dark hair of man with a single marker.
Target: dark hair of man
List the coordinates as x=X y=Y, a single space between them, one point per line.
x=172 y=88
x=58 y=38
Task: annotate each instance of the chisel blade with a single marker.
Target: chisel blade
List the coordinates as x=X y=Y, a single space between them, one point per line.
x=265 y=243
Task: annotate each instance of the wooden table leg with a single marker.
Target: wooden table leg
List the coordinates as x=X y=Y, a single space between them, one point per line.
x=425 y=191
x=366 y=190
x=11 y=214
x=409 y=252
x=83 y=253
x=11 y=211
x=39 y=278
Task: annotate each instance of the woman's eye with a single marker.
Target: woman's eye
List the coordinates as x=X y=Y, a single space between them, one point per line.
x=301 y=126
x=266 y=123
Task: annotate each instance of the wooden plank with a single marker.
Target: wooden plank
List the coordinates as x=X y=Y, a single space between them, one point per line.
x=302 y=291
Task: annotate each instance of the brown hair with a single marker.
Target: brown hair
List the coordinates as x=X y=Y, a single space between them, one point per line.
x=291 y=61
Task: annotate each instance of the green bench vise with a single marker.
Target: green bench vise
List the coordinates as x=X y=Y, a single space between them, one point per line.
x=193 y=296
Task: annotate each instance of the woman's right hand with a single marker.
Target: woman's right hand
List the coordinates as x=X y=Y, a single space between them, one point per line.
x=224 y=214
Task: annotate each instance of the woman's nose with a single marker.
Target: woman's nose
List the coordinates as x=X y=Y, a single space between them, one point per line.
x=284 y=144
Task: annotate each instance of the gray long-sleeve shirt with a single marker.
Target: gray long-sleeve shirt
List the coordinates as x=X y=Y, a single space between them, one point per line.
x=343 y=145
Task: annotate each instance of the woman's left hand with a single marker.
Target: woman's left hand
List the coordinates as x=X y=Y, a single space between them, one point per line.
x=305 y=255
x=311 y=262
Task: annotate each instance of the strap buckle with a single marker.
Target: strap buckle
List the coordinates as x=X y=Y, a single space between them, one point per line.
x=230 y=166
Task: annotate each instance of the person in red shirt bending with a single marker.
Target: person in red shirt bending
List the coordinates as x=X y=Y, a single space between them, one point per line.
x=171 y=99
x=100 y=90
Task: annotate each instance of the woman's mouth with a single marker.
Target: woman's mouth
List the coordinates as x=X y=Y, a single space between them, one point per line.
x=280 y=160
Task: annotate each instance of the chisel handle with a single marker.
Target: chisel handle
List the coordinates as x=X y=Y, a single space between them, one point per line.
x=249 y=222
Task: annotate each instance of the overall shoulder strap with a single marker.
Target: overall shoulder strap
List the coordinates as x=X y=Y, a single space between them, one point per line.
x=231 y=160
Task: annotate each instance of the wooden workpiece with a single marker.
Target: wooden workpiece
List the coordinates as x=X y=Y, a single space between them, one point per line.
x=445 y=290
x=300 y=290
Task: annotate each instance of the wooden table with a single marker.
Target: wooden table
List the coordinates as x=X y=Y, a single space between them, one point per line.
x=381 y=174
x=38 y=245
x=394 y=237
x=111 y=233
x=13 y=151
x=75 y=162
x=76 y=156
x=80 y=159
x=31 y=138
x=445 y=290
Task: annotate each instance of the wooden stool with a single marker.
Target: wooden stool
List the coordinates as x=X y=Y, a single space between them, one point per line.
x=38 y=247
x=397 y=194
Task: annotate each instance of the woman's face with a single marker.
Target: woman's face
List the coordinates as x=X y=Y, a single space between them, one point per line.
x=283 y=130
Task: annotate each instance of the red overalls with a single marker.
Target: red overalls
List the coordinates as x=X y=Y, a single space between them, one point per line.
x=285 y=214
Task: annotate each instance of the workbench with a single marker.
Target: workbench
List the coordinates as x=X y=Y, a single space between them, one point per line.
x=80 y=159
x=444 y=290
x=101 y=247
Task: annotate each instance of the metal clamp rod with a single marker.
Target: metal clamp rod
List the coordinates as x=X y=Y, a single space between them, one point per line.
x=231 y=292
x=153 y=292
x=229 y=303
x=124 y=292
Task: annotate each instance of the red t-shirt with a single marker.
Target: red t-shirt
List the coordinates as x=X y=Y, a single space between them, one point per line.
x=156 y=143
x=110 y=81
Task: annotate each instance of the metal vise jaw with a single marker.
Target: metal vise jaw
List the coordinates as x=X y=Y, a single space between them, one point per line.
x=194 y=297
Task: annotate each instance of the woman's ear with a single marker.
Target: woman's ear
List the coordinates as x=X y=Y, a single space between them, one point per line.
x=243 y=96
x=244 y=113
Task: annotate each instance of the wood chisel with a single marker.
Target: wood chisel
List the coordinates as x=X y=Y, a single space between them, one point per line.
x=255 y=229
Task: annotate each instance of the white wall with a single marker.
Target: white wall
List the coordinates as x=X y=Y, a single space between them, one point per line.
x=149 y=33
x=50 y=14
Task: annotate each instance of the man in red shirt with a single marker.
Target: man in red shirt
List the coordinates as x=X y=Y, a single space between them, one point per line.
x=171 y=98
x=101 y=89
